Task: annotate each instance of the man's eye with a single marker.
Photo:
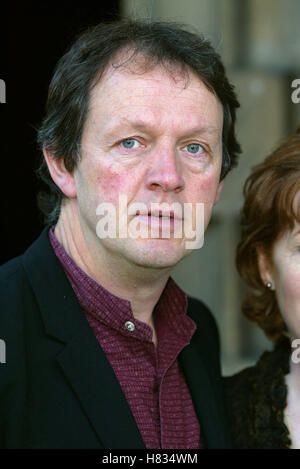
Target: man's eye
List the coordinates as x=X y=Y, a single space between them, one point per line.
x=129 y=143
x=195 y=148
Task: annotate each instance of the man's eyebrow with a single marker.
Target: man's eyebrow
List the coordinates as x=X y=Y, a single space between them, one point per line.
x=210 y=129
x=140 y=124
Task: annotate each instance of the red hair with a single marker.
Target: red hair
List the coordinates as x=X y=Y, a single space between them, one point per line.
x=268 y=212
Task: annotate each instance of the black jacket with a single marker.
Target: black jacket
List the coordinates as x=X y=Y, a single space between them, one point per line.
x=57 y=388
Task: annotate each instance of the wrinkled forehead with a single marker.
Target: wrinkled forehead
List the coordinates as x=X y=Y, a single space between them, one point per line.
x=132 y=91
x=164 y=103
x=132 y=64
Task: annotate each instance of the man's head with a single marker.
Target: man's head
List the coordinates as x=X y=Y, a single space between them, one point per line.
x=142 y=111
x=80 y=69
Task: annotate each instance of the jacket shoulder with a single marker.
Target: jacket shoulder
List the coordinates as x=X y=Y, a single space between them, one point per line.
x=12 y=279
x=12 y=284
x=10 y=269
x=199 y=311
x=12 y=366
x=203 y=317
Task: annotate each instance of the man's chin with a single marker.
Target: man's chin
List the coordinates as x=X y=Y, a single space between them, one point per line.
x=158 y=255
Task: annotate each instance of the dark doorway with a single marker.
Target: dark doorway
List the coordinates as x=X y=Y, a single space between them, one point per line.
x=34 y=35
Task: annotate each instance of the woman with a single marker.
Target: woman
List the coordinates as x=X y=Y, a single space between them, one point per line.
x=263 y=401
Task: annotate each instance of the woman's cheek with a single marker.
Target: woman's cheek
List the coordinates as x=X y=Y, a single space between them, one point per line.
x=289 y=294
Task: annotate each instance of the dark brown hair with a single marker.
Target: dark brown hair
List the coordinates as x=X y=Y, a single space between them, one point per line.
x=80 y=69
x=267 y=214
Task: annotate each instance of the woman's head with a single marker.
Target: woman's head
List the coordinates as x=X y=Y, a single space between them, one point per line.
x=268 y=255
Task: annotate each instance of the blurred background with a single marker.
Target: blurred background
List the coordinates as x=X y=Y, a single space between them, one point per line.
x=259 y=41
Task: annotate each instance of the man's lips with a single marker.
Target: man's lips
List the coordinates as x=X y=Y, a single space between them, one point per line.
x=162 y=214
x=159 y=221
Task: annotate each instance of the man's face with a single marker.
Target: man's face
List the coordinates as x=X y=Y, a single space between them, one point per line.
x=153 y=138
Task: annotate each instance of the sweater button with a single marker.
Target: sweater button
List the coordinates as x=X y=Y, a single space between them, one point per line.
x=129 y=326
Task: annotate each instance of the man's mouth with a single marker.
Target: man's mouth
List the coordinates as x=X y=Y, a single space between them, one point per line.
x=161 y=214
x=160 y=220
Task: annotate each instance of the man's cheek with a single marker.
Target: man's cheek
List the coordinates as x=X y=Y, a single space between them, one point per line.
x=207 y=190
x=109 y=185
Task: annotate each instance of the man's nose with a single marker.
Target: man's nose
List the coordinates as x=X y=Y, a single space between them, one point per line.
x=165 y=171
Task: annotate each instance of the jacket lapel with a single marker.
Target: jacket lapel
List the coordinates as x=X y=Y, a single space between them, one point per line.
x=202 y=395
x=82 y=360
x=93 y=380
x=200 y=362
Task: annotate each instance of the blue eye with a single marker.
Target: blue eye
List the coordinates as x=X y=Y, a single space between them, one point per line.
x=129 y=143
x=195 y=148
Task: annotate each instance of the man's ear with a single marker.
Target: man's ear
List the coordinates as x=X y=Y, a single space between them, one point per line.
x=219 y=190
x=60 y=175
x=265 y=268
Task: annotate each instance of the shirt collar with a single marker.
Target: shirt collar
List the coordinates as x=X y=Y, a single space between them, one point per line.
x=114 y=311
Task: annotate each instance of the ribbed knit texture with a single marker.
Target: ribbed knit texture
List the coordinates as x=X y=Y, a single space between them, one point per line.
x=149 y=376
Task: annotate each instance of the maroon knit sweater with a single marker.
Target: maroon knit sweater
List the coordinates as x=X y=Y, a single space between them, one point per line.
x=149 y=376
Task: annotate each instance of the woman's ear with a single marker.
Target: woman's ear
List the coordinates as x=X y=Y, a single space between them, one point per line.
x=60 y=175
x=265 y=269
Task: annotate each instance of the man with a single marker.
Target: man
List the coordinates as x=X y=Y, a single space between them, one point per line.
x=103 y=349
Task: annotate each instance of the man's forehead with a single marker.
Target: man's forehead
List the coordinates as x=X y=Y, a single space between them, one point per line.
x=131 y=68
x=150 y=94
